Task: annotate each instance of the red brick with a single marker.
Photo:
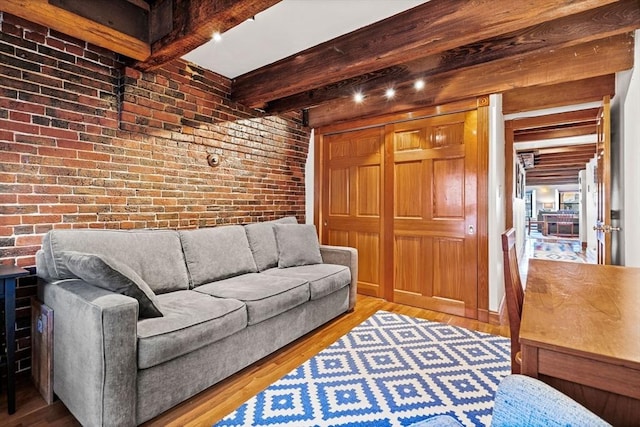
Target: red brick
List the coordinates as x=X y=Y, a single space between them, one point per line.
x=10 y=220
x=18 y=127
x=29 y=240
x=41 y=219
x=57 y=152
x=58 y=133
x=6 y=135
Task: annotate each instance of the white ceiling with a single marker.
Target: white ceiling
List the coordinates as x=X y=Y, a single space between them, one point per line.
x=290 y=27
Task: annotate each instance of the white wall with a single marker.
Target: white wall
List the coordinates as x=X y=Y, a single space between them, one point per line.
x=590 y=204
x=309 y=178
x=496 y=201
x=631 y=165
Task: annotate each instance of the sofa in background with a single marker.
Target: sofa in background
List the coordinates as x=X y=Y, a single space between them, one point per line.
x=145 y=319
x=562 y=222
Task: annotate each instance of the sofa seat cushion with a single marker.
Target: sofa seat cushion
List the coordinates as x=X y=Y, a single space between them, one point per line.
x=264 y=295
x=323 y=279
x=191 y=320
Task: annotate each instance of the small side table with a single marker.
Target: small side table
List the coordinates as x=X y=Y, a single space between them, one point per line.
x=8 y=276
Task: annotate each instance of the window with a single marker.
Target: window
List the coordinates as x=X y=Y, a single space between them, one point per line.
x=569 y=201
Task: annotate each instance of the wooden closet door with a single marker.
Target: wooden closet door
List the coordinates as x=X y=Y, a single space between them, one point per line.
x=353 y=200
x=434 y=212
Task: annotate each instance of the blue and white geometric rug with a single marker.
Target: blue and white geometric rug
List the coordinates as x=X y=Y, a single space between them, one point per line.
x=391 y=370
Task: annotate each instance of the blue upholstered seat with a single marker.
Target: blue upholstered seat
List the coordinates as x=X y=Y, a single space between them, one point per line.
x=527 y=402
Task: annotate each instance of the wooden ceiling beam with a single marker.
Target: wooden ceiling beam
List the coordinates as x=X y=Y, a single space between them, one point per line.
x=557 y=172
x=552 y=181
x=193 y=24
x=83 y=28
x=590 y=25
x=566 y=149
x=595 y=58
x=551 y=168
x=568 y=132
x=577 y=116
x=559 y=162
x=425 y=30
x=559 y=95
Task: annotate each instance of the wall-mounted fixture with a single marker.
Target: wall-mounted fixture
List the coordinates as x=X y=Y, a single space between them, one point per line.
x=213 y=160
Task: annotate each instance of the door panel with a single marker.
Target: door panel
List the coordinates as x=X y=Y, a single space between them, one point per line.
x=368 y=245
x=408 y=202
x=338 y=194
x=368 y=190
x=434 y=219
x=352 y=206
x=448 y=178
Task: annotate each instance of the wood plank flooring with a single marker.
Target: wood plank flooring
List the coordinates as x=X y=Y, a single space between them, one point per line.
x=219 y=400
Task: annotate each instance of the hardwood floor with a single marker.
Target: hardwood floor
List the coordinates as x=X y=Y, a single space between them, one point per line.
x=219 y=400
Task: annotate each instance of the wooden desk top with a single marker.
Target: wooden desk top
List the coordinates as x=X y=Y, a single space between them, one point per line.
x=583 y=309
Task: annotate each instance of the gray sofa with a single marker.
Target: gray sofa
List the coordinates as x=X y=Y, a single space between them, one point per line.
x=145 y=319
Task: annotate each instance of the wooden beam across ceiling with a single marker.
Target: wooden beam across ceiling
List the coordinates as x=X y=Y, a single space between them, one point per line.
x=195 y=21
x=595 y=58
x=557 y=132
x=593 y=24
x=88 y=29
x=558 y=95
x=557 y=119
x=557 y=165
x=150 y=33
x=425 y=30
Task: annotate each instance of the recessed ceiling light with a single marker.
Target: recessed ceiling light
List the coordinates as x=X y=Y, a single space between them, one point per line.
x=390 y=93
x=419 y=84
x=217 y=37
x=358 y=97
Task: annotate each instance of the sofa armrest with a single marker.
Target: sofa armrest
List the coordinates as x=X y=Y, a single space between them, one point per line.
x=94 y=351
x=343 y=255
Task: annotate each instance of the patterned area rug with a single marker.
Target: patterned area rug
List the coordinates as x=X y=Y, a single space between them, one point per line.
x=391 y=370
x=558 y=251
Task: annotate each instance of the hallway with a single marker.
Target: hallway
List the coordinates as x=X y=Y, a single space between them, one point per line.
x=555 y=249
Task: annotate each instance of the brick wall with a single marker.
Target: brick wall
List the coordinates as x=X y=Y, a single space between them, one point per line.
x=86 y=142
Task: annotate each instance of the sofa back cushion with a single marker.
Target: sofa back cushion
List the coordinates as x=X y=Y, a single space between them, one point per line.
x=262 y=241
x=216 y=253
x=297 y=245
x=155 y=255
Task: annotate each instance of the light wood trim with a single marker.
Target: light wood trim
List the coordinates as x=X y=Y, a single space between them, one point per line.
x=41 y=12
x=483 y=208
x=396 y=117
x=388 y=213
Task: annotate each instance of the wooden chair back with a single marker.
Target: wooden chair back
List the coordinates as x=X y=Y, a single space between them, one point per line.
x=514 y=294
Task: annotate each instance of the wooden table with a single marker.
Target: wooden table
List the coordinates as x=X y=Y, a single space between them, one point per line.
x=580 y=333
